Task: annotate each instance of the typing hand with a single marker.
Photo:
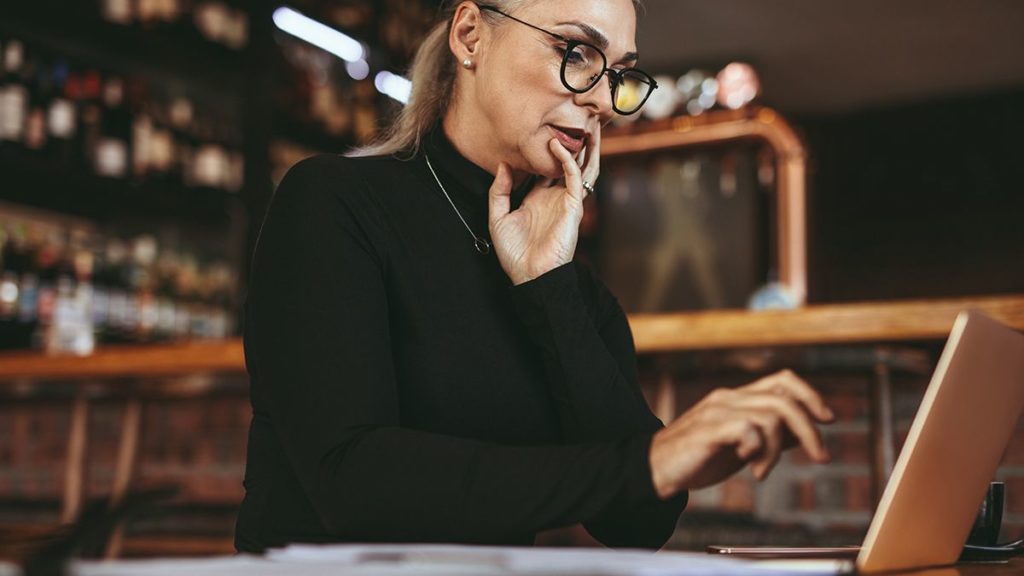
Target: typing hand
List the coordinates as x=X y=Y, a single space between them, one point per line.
x=730 y=428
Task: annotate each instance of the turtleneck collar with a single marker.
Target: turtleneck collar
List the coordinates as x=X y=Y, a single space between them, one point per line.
x=456 y=168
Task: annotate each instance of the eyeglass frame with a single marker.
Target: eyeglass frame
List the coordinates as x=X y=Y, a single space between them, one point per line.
x=615 y=76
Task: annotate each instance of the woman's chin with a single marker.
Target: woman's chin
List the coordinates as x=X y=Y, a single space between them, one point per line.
x=550 y=168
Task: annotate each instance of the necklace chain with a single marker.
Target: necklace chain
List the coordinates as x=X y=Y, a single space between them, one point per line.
x=481 y=244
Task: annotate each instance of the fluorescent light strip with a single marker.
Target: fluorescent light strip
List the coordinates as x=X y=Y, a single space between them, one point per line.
x=318 y=34
x=357 y=70
x=393 y=85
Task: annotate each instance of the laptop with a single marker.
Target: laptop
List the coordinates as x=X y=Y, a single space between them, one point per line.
x=967 y=417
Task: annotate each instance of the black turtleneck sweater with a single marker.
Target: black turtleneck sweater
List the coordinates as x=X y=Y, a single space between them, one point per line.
x=403 y=389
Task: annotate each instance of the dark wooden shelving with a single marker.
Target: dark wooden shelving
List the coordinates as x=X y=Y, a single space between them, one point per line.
x=34 y=181
x=75 y=30
x=310 y=136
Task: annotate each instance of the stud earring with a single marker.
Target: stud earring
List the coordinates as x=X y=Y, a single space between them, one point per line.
x=467 y=63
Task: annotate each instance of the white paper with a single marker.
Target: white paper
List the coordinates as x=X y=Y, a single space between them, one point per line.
x=424 y=559
x=451 y=560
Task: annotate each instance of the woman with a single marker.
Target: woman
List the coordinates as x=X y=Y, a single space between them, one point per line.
x=427 y=362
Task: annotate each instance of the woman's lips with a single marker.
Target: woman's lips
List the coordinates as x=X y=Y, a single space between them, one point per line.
x=570 y=138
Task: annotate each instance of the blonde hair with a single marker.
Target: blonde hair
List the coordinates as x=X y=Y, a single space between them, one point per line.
x=432 y=74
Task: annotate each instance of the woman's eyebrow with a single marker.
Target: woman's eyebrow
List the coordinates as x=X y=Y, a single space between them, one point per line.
x=598 y=39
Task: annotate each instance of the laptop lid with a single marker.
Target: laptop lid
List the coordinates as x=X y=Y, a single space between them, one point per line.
x=967 y=417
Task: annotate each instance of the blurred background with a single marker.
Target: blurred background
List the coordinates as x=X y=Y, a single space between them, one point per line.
x=841 y=152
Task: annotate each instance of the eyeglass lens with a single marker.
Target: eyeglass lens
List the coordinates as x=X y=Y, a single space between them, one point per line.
x=582 y=69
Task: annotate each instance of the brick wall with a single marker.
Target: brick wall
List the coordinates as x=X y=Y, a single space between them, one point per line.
x=198 y=445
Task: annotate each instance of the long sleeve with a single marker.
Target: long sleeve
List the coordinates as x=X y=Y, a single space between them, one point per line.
x=590 y=363
x=318 y=348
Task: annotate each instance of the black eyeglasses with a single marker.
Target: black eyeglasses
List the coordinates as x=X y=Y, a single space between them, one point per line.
x=583 y=65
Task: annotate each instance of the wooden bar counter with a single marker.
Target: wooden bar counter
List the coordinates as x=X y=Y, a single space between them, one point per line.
x=136 y=371
x=895 y=321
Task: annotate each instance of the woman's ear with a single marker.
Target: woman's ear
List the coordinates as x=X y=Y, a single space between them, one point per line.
x=466 y=31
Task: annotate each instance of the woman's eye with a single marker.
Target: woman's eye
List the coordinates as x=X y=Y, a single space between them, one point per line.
x=575 y=56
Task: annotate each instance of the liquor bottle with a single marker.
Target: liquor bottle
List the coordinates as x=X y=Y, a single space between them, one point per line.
x=170 y=13
x=40 y=96
x=62 y=115
x=222 y=279
x=68 y=329
x=10 y=276
x=236 y=33
x=117 y=11
x=11 y=255
x=161 y=149
x=213 y=19
x=211 y=160
x=236 y=171
x=189 y=318
x=142 y=284
x=120 y=322
x=234 y=166
x=149 y=13
x=133 y=304
x=101 y=276
x=77 y=332
x=166 y=270
x=181 y=116
x=90 y=116
x=13 y=95
x=48 y=269
x=112 y=152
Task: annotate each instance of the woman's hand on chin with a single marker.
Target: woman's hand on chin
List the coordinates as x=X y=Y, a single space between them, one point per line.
x=541 y=234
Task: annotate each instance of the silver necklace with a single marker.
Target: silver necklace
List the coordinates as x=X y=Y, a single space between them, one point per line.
x=481 y=244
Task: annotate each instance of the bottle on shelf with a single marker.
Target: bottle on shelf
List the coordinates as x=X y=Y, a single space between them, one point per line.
x=10 y=278
x=73 y=331
x=14 y=95
x=111 y=156
x=162 y=152
x=142 y=285
x=62 y=115
x=47 y=267
x=212 y=163
x=119 y=11
x=90 y=117
x=28 y=282
x=40 y=95
x=149 y=13
x=142 y=130
x=185 y=144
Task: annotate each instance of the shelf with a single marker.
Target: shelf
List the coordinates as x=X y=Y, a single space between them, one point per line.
x=33 y=181
x=76 y=30
x=895 y=321
x=913 y=320
x=128 y=362
x=311 y=136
